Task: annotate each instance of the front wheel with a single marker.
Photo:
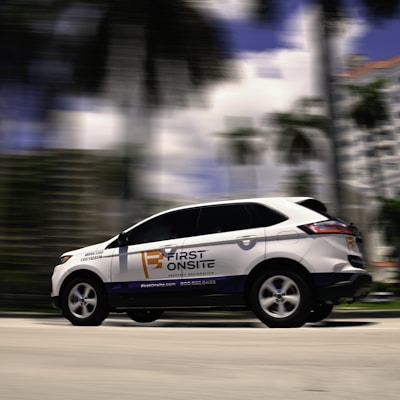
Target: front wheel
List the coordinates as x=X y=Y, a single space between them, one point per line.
x=84 y=302
x=144 y=315
x=281 y=299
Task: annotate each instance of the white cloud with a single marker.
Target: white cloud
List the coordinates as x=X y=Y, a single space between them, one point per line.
x=100 y=128
x=346 y=42
x=226 y=9
x=184 y=148
x=269 y=81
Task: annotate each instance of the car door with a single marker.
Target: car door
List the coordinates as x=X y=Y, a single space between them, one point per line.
x=227 y=243
x=141 y=262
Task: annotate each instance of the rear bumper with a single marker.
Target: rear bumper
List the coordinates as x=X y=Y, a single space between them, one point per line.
x=342 y=287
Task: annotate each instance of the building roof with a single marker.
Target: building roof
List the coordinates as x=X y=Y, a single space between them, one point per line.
x=372 y=65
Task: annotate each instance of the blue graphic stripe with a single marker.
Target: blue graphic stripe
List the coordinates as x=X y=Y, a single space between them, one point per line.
x=217 y=285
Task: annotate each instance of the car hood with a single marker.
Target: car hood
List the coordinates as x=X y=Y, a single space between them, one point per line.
x=89 y=250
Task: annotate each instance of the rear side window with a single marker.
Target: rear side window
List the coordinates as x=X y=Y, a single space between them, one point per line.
x=263 y=216
x=234 y=217
x=223 y=218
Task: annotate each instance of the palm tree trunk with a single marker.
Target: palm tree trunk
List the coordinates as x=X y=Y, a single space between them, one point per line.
x=324 y=34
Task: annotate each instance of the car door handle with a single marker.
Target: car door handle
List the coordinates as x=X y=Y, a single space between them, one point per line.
x=247 y=237
x=247 y=242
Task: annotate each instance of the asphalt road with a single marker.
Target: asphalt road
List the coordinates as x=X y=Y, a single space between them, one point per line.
x=47 y=358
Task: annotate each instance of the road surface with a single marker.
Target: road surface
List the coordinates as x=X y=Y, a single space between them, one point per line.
x=189 y=359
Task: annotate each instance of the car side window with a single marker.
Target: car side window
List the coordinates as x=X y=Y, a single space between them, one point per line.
x=223 y=218
x=172 y=225
x=263 y=216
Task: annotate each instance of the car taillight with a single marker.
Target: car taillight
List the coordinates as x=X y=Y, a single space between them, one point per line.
x=330 y=227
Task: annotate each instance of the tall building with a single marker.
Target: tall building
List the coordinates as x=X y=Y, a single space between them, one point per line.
x=370 y=162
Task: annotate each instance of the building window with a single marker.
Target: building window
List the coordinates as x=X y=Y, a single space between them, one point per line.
x=344 y=143
x=391 y=166
x=370 y=138
x=386 y=135
x=370 y=153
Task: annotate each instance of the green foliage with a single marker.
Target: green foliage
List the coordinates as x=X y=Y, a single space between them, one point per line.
x=242 y=145
x=50 y=203
x=378 y=286
x=334 y=11
x=369 y=112
x=369 y=109
x=389 y=220
x=296 y=130
x=111 y=35
x=117 y=174
x=46 y=201
x=389 y=217
x=301 y=183
x=392 y=305
x=377 y=10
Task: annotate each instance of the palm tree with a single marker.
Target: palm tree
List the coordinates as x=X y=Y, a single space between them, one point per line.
x=331 y=14
x=161 y=51
x=180 y=49
x=144 y=54
x=369 y=112
x=80 y=35
x=243 y=146
x=296 y=130
x=301 y=183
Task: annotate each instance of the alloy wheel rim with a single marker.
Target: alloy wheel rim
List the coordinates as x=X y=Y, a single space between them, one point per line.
x=279 y=296
x=82 y=300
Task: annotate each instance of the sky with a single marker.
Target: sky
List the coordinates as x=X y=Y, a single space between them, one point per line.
x=276 y=67
x=247 y=36
x=274 y=73
x=381 y=42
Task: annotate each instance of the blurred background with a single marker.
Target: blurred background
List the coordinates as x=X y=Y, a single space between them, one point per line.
x=113 y=110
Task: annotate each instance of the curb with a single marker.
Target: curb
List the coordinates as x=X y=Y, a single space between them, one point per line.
x=339 y=314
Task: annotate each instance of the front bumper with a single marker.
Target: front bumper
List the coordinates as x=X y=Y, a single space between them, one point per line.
x=55 y=302
x=342 y=287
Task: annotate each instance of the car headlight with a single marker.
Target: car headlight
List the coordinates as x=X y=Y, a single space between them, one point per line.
x=64 y=259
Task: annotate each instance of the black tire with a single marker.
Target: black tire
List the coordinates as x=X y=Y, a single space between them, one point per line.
x=144 y=315
x=84 y=302
x=281 y=298
x=320 y=312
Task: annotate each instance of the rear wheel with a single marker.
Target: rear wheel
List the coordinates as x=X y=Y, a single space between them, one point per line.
x=281 y=298
x=144 y=315
x=320 y=312
x=84 y=302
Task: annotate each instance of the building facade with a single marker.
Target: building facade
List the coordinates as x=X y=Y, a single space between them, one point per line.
x=370 y=161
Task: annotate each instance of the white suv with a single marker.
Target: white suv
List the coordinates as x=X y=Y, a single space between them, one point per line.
x=283 y=258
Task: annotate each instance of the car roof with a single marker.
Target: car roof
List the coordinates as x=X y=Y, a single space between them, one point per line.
x=274 y=202
x=284 y=205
